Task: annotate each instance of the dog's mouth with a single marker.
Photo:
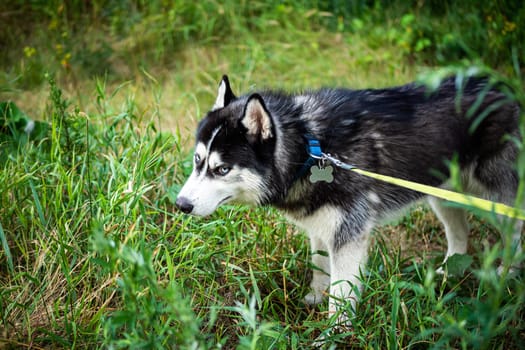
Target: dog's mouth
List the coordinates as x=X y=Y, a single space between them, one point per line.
x=224 y=200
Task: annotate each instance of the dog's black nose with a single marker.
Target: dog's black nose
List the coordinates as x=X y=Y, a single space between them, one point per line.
x=184 y=205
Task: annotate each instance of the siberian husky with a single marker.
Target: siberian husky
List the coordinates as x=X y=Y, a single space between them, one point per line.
x=253 y=149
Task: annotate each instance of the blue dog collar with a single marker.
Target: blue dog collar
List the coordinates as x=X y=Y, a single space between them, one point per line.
x=313 y=149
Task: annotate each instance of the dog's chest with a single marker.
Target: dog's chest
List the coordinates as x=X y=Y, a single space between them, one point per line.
x=321 y=224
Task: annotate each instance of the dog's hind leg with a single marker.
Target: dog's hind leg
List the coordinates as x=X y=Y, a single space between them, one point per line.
x=321 y=271
x=456 y=226
x=515 y=249
x=500 y=183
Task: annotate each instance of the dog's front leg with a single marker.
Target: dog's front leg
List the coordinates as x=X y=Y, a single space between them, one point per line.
x=346 y=263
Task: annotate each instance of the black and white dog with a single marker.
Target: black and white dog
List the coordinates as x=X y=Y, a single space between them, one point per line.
x=253 y=149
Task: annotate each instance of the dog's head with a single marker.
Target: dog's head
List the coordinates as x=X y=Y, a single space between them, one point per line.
x=235 y=142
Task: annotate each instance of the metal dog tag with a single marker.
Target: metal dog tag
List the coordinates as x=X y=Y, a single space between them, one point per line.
x=321 y=174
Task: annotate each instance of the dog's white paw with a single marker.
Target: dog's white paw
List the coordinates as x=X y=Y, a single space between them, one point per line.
x=513 y=271
x=313 y=298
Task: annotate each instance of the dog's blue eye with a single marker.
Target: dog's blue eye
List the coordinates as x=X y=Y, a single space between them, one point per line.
x=223 y=170
x=197 y=158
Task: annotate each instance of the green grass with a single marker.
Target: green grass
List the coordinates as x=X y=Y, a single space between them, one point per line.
x=94 y=254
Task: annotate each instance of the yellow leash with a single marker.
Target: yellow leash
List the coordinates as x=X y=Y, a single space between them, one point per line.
x=498 y=208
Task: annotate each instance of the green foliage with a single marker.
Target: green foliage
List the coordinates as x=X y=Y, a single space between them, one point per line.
x=152 y=315
x=102 y=37
x=93 y=253
x=96 y=255
x=457 y=264
x=51 y=197
x=470 y=30
x=16 y=129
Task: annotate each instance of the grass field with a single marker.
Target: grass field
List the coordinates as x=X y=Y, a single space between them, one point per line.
x=93 y=253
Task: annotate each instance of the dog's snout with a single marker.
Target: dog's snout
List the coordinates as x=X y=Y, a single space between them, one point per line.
x=184 y=204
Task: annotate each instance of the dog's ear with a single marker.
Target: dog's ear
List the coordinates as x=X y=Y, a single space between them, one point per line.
x=257 y=120
x=225 y=94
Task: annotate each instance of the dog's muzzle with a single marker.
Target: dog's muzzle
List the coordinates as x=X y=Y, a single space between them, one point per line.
x=184 y=205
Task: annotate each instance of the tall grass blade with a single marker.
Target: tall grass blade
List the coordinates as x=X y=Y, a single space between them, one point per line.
x=7 y=251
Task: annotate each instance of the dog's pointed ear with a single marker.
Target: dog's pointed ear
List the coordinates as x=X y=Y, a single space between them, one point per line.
x=225 y=94
x=257 y=120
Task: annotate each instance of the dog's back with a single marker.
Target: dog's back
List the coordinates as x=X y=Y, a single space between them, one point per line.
x=406 y=132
